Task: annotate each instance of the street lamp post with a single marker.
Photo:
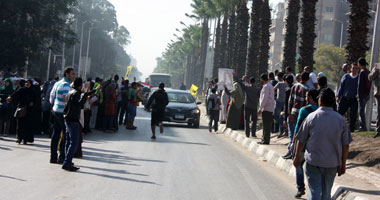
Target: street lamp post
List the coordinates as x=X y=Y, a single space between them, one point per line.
x=341 y=31
x=374 y=58
x=88 y=47
x=80 y=49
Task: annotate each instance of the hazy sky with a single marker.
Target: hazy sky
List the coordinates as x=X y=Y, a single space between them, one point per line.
x=152 y=24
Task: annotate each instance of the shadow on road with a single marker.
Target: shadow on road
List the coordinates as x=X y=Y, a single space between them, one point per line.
x=116 y=177
x=13 y=178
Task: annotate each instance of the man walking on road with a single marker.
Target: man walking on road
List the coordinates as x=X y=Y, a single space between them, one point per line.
x=266 y=108
x=252 y=94
x=326 y=149
x=58 y=99
x=364 y=88
x=159 y=100
x=213 y=104
x=75 y=102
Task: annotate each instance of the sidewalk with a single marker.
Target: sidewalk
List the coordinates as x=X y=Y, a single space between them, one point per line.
x=357 y=183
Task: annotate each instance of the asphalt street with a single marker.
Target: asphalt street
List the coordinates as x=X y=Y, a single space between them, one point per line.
x=183 y=163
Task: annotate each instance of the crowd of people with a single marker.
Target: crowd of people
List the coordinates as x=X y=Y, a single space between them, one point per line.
x=300 y=107
x=66 y=109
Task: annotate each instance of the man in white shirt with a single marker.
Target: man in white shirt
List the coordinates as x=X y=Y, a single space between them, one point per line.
x=266 y=108
x=313 y=81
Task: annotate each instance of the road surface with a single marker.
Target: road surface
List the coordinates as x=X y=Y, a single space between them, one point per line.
x=183 y=163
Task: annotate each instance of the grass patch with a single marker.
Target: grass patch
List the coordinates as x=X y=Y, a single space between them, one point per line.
x=365 y=133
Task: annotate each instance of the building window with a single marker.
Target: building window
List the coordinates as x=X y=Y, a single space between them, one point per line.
x=327 y=37
x=329 y=9
x=328 y=23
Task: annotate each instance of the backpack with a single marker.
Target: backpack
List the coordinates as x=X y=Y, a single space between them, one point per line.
x=211 y=103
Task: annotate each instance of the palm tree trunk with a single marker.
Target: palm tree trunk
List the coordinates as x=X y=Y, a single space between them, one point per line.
x=231 y=41
x=216 y=50
x=357 y=30
x=254 y=40
x=290 y=48
x=265 y=22
x=223 y=43
x=204 y=47
x=242 y=37
x=307 y=35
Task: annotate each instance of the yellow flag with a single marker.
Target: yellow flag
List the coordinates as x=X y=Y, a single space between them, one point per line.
x=129 y=70
x=193 y=90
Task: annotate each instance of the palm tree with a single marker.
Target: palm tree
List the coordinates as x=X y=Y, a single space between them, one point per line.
x=357 y=30
x=290 y=48
x=242 y=37
x=254 y=40
x=265 y=22
x=216 y=50
x=230 y=52
x=307 y=35
x=223 y=42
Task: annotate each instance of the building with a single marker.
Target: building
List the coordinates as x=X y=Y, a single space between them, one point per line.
x=277 y=37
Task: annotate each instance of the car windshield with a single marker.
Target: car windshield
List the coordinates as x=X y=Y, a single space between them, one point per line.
x=180 y=97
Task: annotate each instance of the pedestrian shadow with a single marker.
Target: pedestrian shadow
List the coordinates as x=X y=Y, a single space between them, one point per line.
x=13 y=178
x=369 y=192
x=103 y=150
x=5 y=148
x=117 y=171
x=117 y=177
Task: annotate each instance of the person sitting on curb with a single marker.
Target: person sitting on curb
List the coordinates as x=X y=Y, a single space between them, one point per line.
x=326 y=148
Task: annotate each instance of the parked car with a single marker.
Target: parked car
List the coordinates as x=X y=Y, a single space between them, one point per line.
x=182 y=108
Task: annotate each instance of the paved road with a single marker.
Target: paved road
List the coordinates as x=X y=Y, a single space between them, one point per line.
x=183 y=163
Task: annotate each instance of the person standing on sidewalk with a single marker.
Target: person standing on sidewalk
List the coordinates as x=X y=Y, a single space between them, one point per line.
x=213 y=104
x=266 y=108
x=58 y=99
x=312 y=83
x=297 y=100
x=74 y=104
x=326 y=148
x=374 y=77
x=235 y=106
x=158 y=100
x=347 y=94
x=280 y=87
x=364 y=88
x=312 y=100
x=251 y=94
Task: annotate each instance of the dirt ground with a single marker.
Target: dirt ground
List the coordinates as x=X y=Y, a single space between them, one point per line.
x=365 y=150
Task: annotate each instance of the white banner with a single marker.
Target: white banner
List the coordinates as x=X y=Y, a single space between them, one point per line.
x=225 y=77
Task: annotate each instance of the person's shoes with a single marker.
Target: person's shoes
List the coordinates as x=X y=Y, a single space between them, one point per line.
x=264 y=143
x=209 y=129
x=18 y=141
x=161 y=128
x=280 y=135
x=24 y=142
x=133 y=128
x=153 y=137
x=299 y=194
x=287 y=156
x=254 y=136
x=60 y=161
x=53 y=161
x=377 y=135
x=70 y=168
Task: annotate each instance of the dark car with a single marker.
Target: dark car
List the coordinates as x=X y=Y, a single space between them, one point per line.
x=182 y=108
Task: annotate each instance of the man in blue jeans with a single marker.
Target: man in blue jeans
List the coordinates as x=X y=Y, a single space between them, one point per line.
x=75 y=102
x=58 y=99
x=326 y=148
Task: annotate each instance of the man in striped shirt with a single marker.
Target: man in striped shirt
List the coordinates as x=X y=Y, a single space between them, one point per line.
x=58 y=99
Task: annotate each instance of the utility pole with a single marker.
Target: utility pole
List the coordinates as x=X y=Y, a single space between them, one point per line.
x=374 y=58
x=76 y=31
x=88 y=47
x=80 y=49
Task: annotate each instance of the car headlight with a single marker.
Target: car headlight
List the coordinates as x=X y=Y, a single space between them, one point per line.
x=196 y=111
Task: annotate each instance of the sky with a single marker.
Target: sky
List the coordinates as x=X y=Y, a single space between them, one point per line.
x=151 y=24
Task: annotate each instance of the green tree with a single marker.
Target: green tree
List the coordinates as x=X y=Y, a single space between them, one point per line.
x=29 y=27
x=357 y=30
x=290 y=48
x=307 y=35
x=329 y=59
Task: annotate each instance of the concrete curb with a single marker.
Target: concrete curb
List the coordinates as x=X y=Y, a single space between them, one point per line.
x=272 y=157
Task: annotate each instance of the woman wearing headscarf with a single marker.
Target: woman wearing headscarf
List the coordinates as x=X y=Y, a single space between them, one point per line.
x=110 y=110
x=235 y=106
x=5 y=109
x=24 y=99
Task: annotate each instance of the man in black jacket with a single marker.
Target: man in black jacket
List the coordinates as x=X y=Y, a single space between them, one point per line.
x=74 y=104
x=159 y=100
